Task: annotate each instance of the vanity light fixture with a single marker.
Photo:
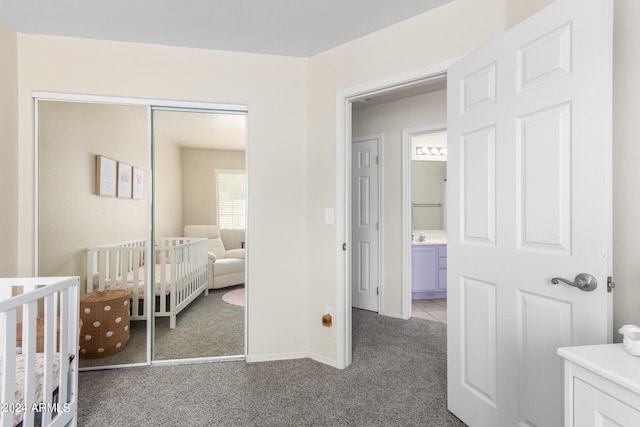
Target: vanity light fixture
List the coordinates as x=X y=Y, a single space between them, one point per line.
x=431 y=151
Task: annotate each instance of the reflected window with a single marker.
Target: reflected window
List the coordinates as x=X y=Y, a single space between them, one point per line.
x=230 y=189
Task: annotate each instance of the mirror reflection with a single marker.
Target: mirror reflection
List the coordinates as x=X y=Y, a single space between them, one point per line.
x=93 y=222
x=81 y=214
x=428 y=181
x=199 y=195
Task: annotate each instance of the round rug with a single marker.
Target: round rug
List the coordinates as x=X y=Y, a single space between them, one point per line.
x=235 y=297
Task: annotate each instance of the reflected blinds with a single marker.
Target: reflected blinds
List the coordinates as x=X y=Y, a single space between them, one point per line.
x=230 y=191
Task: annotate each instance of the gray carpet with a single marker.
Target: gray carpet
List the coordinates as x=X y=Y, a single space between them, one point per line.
x=207 y=327
x=398 y=378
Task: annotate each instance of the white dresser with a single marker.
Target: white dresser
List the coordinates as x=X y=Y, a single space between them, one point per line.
x=601 y=386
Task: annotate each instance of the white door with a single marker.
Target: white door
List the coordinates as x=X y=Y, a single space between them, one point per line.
x=365 y=233
x=529 y=122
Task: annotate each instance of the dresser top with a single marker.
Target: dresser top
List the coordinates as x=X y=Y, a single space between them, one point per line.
x=608 y=360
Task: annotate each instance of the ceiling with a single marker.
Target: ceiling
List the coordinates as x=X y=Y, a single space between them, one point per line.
x=431 y=85
x=300 y=28
x=279 y=27
x=213 y=131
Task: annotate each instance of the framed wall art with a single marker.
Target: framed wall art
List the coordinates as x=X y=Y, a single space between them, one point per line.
x=124 y=180
x=138 y=183
x=105 y=176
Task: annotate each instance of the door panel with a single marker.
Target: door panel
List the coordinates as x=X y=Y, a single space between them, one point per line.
x=365 y=233
x=478 y=179
x=529 y=119
x=479 y=346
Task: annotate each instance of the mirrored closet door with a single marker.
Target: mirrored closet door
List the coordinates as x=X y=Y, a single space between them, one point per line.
x=89 y=223
x=199 y=206
x=114 y=179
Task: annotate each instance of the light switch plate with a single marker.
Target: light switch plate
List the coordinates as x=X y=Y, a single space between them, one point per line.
x=329 y=216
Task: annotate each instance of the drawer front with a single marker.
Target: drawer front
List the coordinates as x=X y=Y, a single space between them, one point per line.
x=442 y=263
x=592 y=407
x=442 y=280
x=442 y=250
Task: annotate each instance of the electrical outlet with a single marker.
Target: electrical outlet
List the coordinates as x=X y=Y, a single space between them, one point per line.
x=327 y=317
x=327 y=320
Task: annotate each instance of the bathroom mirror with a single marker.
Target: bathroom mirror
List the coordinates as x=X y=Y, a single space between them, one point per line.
x=428 y=181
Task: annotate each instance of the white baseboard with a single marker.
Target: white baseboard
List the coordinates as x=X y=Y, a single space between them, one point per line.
x=275 y=356
x=390 y=314
x=323 y=360
x=291 y=356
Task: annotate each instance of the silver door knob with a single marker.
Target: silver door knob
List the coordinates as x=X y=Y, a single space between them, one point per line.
x=583 y=281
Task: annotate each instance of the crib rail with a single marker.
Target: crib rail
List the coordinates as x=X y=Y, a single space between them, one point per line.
x=174 y=287
x=188 y=258
x=55 y=402
x=112 y=262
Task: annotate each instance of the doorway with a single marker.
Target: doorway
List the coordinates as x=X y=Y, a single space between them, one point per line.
x=393 y=118
x=398 y=303
x=424 y=207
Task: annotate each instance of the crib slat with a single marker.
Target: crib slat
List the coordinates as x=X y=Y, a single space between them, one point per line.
x=29 y=331
x=163 y=282
x=135 y=294
x=49 y=342
x=102 y=269
x=176 y=286
x=65 y=308
x=8 y=365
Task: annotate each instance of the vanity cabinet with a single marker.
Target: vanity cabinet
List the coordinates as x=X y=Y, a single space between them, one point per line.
x=601 y=386
x=429 y=271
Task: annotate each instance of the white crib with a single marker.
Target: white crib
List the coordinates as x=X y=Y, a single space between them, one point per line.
x=39 y=385
x=180 y=273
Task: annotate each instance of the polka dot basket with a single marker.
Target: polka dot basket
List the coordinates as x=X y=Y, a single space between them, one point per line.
x=105 y=322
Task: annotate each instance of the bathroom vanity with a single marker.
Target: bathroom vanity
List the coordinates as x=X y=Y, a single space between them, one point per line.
x=429 y=265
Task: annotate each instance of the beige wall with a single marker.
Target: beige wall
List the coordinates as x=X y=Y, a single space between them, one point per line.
x=72 y=217
x=8 y=152
x=518 y=10
x=167 y=188
x=273 y=88
x=447 y=32
x=389 y=119
x=199 y=181
x=626 y=164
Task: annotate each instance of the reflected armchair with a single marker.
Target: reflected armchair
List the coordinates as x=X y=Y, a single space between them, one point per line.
x=226 y=257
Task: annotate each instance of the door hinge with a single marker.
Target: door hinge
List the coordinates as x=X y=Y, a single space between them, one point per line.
x=610 y=284
x=377 y=160
x=377 y=225
x=344 y=246
x=377 y=290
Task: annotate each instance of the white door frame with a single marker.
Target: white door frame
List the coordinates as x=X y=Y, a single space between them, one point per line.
x=407 y=134
x=378 y=137
x=344 y=99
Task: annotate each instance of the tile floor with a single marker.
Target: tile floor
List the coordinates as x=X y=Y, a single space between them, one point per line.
x=430 y=309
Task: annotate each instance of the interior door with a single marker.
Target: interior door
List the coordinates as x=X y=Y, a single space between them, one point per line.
x=365 y=229
x=529 y=121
